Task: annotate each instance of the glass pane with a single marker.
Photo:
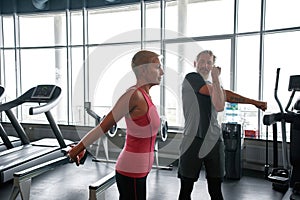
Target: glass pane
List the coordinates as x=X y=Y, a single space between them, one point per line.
x=8 y=31
x=153 y=15
x=114 y=25
x=41 y=71
x=49 y=67
x=209 y=18
x=42 y=30
x=171 y=18
x=246 y=9
x=77 y=98
x=76 y=28
x=248 y=82
x=153 y=20
x=280 y=51
x=110 y=75
x=9 y=81
x=179 y=61
x=282 y=14
x=10 y=74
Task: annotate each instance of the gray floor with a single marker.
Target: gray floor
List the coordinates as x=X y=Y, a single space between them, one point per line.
x=71 y=182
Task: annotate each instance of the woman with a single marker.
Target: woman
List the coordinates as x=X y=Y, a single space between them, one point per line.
x=142 y=121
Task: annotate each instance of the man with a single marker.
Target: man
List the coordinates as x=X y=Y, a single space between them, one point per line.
x=202 y=142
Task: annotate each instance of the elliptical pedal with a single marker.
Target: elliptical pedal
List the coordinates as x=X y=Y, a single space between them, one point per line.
x=280 y=179
x=279 y=175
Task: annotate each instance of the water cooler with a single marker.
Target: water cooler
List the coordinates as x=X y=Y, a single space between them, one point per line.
x=233 y=150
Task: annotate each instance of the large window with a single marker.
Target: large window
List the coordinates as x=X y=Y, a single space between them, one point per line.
x=281 y=51
x=8 y=60
x=210 y=18
x=105 y=25
x=179 y=62
x=8 y=32
x=245 y=10
x=248 y=80
x=43 y=59
x=87 y=52
x=109 y=75
x=49 y=67
x=45 y=30
x=282 y=14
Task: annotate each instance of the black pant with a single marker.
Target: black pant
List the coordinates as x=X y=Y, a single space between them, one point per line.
x=214 y=188
x=131 y=188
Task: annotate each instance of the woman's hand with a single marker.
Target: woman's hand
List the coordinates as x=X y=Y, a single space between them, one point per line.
x=74 y=156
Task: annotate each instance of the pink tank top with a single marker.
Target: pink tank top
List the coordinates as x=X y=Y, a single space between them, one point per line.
x=137 y=156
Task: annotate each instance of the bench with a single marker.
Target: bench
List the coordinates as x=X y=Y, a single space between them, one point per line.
x=97 y=189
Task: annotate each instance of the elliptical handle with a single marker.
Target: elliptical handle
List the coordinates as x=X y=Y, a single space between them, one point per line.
x=276 y=88
x=277 y=80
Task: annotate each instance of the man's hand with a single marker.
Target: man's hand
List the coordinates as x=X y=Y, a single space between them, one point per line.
x=261 y=105
x=215 y=73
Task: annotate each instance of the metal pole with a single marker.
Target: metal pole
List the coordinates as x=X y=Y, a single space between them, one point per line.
x=163 y=53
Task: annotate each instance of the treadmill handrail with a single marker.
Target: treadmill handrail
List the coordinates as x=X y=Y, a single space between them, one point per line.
x=3 y=134
x=97 y=188
x=26 y=97
x=45 y=107
x=11 y=104
x=16 y=102
x=2 y=93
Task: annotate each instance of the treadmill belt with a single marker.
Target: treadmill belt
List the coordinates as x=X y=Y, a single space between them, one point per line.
x=25 y=154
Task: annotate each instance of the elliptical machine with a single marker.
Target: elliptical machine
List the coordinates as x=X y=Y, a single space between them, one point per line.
x=111 y=133
x=289 y=176
x=161 y=137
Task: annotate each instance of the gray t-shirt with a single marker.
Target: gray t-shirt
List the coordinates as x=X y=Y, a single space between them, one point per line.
x=199 y=113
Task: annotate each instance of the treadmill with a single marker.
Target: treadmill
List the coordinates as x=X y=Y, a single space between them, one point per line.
x=32 y=153
x=6 y=142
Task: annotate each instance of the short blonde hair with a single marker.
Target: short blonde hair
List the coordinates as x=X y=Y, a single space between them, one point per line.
x=143 y=57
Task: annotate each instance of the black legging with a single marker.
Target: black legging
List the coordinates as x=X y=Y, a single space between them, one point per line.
x=131 y=188
x=214 y=188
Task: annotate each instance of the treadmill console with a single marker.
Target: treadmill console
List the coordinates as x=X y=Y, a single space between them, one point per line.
x=43 y=92
x=294 y=83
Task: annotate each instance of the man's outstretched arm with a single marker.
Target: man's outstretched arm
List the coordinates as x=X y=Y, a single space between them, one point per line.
x=233 y=97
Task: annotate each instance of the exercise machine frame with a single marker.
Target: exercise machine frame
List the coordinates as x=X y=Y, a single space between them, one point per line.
x=284 y=178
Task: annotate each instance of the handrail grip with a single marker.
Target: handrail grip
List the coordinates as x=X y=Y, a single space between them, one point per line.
x=97 y=188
